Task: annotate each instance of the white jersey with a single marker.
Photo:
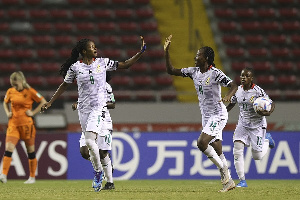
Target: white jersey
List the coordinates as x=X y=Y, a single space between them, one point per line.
x=91 y=81
x=248 y=117
x=208 y=87
x=109 y=98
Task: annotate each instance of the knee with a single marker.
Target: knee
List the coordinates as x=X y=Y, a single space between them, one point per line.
x=256 y=155
x=201 y=145
x=103 y=153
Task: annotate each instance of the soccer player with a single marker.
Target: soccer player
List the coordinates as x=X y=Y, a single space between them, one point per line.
x=208 y=81
x=252 y=126
x=106 y=132
x=18 y=108
x=90 y=73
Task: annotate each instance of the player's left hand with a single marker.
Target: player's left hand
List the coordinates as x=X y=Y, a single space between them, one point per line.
x=167 y=43
x=45 y=106
x=74 y=106
x=143 y=47
x=263 y=113
x=29 y=113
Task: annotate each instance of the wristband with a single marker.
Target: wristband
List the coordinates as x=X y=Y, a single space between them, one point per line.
x=143 y=49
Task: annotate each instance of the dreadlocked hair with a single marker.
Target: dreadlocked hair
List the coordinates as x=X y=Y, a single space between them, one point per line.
x=209 y=55
x=81 y=45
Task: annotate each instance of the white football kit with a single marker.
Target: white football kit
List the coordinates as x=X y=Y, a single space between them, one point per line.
x=208 y=87
x=91 y=82
x=251 y=127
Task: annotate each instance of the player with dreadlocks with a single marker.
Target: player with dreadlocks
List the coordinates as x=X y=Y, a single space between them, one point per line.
x=90 y=73
x=208 y=81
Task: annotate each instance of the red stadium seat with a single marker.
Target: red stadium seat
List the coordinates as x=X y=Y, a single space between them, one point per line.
x=251 y=26
x=270 y=26
x=81 y=14
x=145 y=96
x=261 y=66
x=124 y=13
x=8 y=67
x=23 y=53
x=295 y=38
x=119 y=81
x=4 y=27
x=111 y=53
x=40 y=14
x=258 y=52
x=277 y=39
x=239 y=66
x=85 y=26
x=292 y=95
x=98 y=2
x=152 y=39
x=291 y=25
x=106 y=26
x=50 y=67
x=103 y=14
x=46 y=53
x=285 y=1
x=254 y=39
x=141 y=2
x=235 y=52
x=224 y=12
x=144 y=13
x=287 y=80
x=155 y=53
x=148 y=26
x=268 y=2
x=123 y=96
x=29 y=67
x=139 y=68
x=63 y=39
x=274 y=94
x=263 y=80
x=32 y=2
x=41 y=39
x=6 y=53
x=288 y=12
x=244 y=12
x=65 y=53
x=1 y=39
x=19 y=39
x=77 y=2
x=63 y=27
x=280 y=52
x=128 y=26
x=284 y=66
x=266 y=12
x=165 y=80
x=158 y=67
x=10 y=2
x=17 y=14
x=59 y=14
x=296 y=52
x=168 y=96
x=219 y=2
x=241 y=2
x=108 y=39
x=231 y=39
x=53 y=80
x=45 y=27
x=120 y=1
x=142 y=81
x=130 y=39
x=35 y=81
x=227 y=26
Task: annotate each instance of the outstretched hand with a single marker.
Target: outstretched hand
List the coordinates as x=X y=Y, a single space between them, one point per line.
x=167 y=43
x=143 y=47
x=45 y=106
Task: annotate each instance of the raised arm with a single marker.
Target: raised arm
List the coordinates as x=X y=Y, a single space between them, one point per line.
x=135 y=58
x=61 y=89
x=170 y=69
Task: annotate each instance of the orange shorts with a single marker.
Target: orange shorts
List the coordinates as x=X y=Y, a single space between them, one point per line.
x=24 y=132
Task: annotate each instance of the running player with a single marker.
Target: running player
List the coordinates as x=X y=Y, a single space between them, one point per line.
x=18 y=108
x=90 y=73
x=252 y=126
x=107 y=132
x=208 y=81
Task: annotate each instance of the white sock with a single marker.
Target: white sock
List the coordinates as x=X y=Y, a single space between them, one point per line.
x=90 y=140
x=107 y=167
x=222 y=157
x=238 y=153
x=213 y=156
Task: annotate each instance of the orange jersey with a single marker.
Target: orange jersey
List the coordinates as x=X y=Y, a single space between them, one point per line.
x=21 y=101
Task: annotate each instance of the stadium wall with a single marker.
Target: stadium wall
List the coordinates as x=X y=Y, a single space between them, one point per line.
x=149 y=155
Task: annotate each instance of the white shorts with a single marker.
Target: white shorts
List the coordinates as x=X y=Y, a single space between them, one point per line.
x=104 y=142
x=250 y=136
x=92 y=121
x=215 y=126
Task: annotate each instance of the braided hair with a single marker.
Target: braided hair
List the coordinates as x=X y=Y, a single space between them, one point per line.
x=209 y=55
x=81 y=45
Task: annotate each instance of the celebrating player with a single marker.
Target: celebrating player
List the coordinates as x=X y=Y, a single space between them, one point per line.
x=208 y=81
x=252 y=126
x=107 y=132
x=18 y=108
x=90 y=73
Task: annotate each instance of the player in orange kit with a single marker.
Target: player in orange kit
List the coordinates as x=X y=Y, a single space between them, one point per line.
x=18 y=108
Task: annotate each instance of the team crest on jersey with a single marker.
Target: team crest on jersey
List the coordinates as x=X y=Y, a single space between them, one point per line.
x=98 y=70
x=252 y=99
x=207 y=81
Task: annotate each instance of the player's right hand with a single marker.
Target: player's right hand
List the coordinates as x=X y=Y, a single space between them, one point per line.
x=45 y=106
x=167 y=43
x=74 y=106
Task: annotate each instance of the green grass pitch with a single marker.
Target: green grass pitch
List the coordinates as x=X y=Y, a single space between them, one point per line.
x=150 y=189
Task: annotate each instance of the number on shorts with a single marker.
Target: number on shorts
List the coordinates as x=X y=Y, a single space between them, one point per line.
x=259 y=140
